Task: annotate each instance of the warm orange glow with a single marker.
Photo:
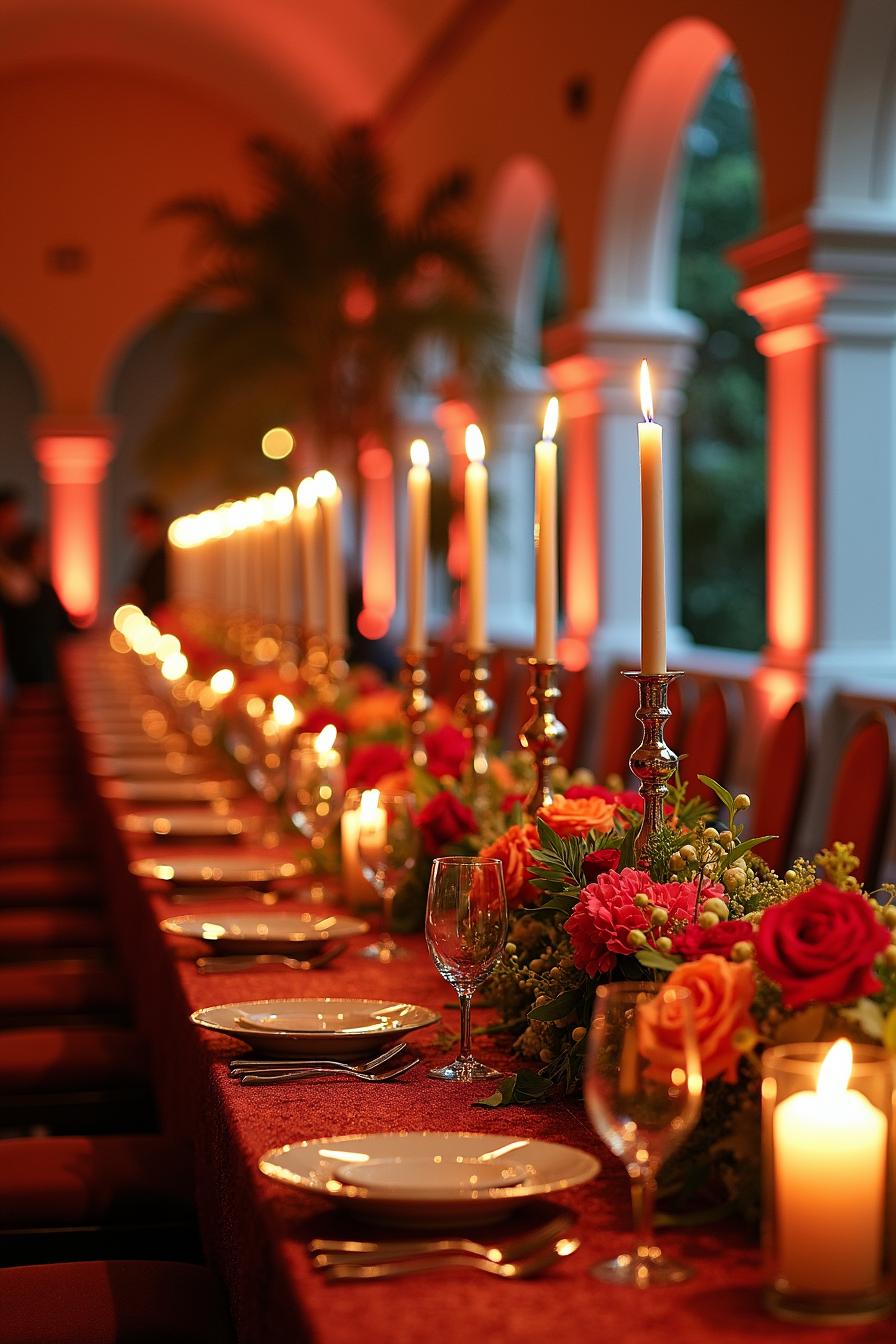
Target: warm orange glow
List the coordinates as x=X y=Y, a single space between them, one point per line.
x=572 y=653
x=306 y=494
x=372 y=624
x=791 y=522
x=277 y=443
x=73 y=465
x=474 y=444
x=419 y=453
x=326 y=485
x=378 y=550
x=579 y=531
x=551 y=419
x=646 y=392
x=836 y=1067
x=374 y=461
x=325 y=740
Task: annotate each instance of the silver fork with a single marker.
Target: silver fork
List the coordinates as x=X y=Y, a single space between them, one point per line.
x=328 y=1254
x=262 y=1079
x=238 y=1066
x=221 y=965
x=506 y=1269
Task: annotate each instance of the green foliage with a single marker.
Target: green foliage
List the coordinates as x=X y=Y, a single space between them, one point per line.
x=519 y=1089
x=320 y=301
x=723 y=431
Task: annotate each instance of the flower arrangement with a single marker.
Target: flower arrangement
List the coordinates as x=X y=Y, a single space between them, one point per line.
x=770 y=959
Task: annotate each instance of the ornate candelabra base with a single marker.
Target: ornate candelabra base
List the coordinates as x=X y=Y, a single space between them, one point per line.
x=653 y=762
x=543 y=734
x=417 y=702
x=475 y=707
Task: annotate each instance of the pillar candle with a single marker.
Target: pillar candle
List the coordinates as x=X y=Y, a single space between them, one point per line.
x=830 y=1168
x=476 y=516
x=653 y=560
x=419 y=489
x=358 y=892
x=546 y=538
x=307 y=521
x=330 y=499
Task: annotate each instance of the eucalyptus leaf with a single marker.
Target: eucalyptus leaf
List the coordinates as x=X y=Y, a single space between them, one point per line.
x=556 y=1008
x=724 y=797
x=657 y=961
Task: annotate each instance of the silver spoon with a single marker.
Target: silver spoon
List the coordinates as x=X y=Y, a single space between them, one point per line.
x=505 y=1269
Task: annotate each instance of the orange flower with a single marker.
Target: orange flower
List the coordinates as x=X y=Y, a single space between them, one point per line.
x=374 y=711
x=398 y=781
x=722 y=993
x=513 y=848
x=578 y=816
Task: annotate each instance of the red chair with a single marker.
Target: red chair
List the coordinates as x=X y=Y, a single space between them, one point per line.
x=621 y=731
x=705 y=743
x=780 y=781
x=860 y=797
x=572 y=706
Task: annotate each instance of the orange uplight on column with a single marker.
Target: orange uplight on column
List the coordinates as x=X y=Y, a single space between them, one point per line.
x=378 y=572
x=73 y=466
x=576 y=377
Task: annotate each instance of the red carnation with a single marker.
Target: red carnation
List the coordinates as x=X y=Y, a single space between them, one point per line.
x=369 y=764
x=317 y=719
x=600 y=861
x=446 y=751
x=606 y=914
x=694 y=942
x=821 y=945
x=445 y=820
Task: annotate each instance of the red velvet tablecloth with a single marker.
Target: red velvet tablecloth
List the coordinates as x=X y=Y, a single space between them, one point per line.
x=256 y=1232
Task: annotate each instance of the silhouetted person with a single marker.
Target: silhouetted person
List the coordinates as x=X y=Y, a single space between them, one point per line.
x=149 y=582
x=33 y=625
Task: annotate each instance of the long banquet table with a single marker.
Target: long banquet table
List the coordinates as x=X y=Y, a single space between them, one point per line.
x=255 y=1232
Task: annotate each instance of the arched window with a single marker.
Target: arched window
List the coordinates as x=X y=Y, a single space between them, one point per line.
x=723 y=425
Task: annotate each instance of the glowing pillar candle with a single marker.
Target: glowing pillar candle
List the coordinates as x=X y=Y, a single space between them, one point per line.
x=307 y=522
x=357 y=890
x=419 y=489
x=653 y=558
x=830 y=1167
x=546 y=538
x=330 y=498
x=476 y=516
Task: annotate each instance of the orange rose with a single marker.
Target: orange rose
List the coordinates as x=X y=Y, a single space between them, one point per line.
x=578 y=816
x=722 y=993
x=374 y=711
x=513 y=848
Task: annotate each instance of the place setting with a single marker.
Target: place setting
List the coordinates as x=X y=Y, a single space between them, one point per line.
x=238 y=942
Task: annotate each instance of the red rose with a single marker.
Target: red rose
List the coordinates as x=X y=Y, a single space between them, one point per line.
x=821 y=946
x=445 y=820
x=601 y=861
x=317 y=719
x=371 y=763
x=695 y=942
x=628 y=798
x=446 y=751
x=510 y=801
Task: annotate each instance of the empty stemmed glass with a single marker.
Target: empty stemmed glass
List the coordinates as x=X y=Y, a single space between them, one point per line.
x=643 y=1091
x=466 y=929
x=388 y=847
x=316 y=787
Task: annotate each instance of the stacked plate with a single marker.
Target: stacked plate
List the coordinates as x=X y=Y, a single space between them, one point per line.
x=317 y=1028
x=274 y=932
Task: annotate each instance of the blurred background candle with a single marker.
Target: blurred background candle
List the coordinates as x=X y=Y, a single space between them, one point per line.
x=830 y=1171
x=307 y=522
x=476 y=518
x=330 y=498
x=286 y=558
x=419 y=488
x=653 y=560
x=546 y=538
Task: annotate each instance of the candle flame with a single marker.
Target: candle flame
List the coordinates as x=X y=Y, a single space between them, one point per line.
x=223 y=681
x=306 y=494
x=475 y=444
x=325 y=483
x=646 y=391
x=370 y=801
x=254 y=514
x=284 y=711
x=833 y=1076
x=283 y=502
x=420 y=453
x=323 y=743
x=551 y=419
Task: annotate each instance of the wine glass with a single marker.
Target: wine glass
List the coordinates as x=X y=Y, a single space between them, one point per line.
x=466 y=929
x=316 y=786
x=388 y=847
x=643 y=1091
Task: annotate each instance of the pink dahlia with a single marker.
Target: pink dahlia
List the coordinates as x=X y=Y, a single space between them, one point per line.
x=606 y=914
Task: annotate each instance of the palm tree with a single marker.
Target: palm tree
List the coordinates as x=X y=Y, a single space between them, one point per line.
x=316 y=306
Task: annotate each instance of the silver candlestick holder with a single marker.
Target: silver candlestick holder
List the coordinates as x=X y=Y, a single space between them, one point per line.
x=653 y=762
x=475 y=707
x=543 y=734
x=417 y=701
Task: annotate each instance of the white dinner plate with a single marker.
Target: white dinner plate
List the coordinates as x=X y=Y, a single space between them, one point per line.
x=170 y=789
x=277 y=930
x=161 y=765
x=422 y=1179
x=193 y=869
x=326 y=1028
x=198 y=823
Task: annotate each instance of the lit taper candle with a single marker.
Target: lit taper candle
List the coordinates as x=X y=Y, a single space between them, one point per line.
x=653 y=559
x=419 y=488
x=330 y=497
x=546 y=538
x=476 y=518
x=308 y=526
